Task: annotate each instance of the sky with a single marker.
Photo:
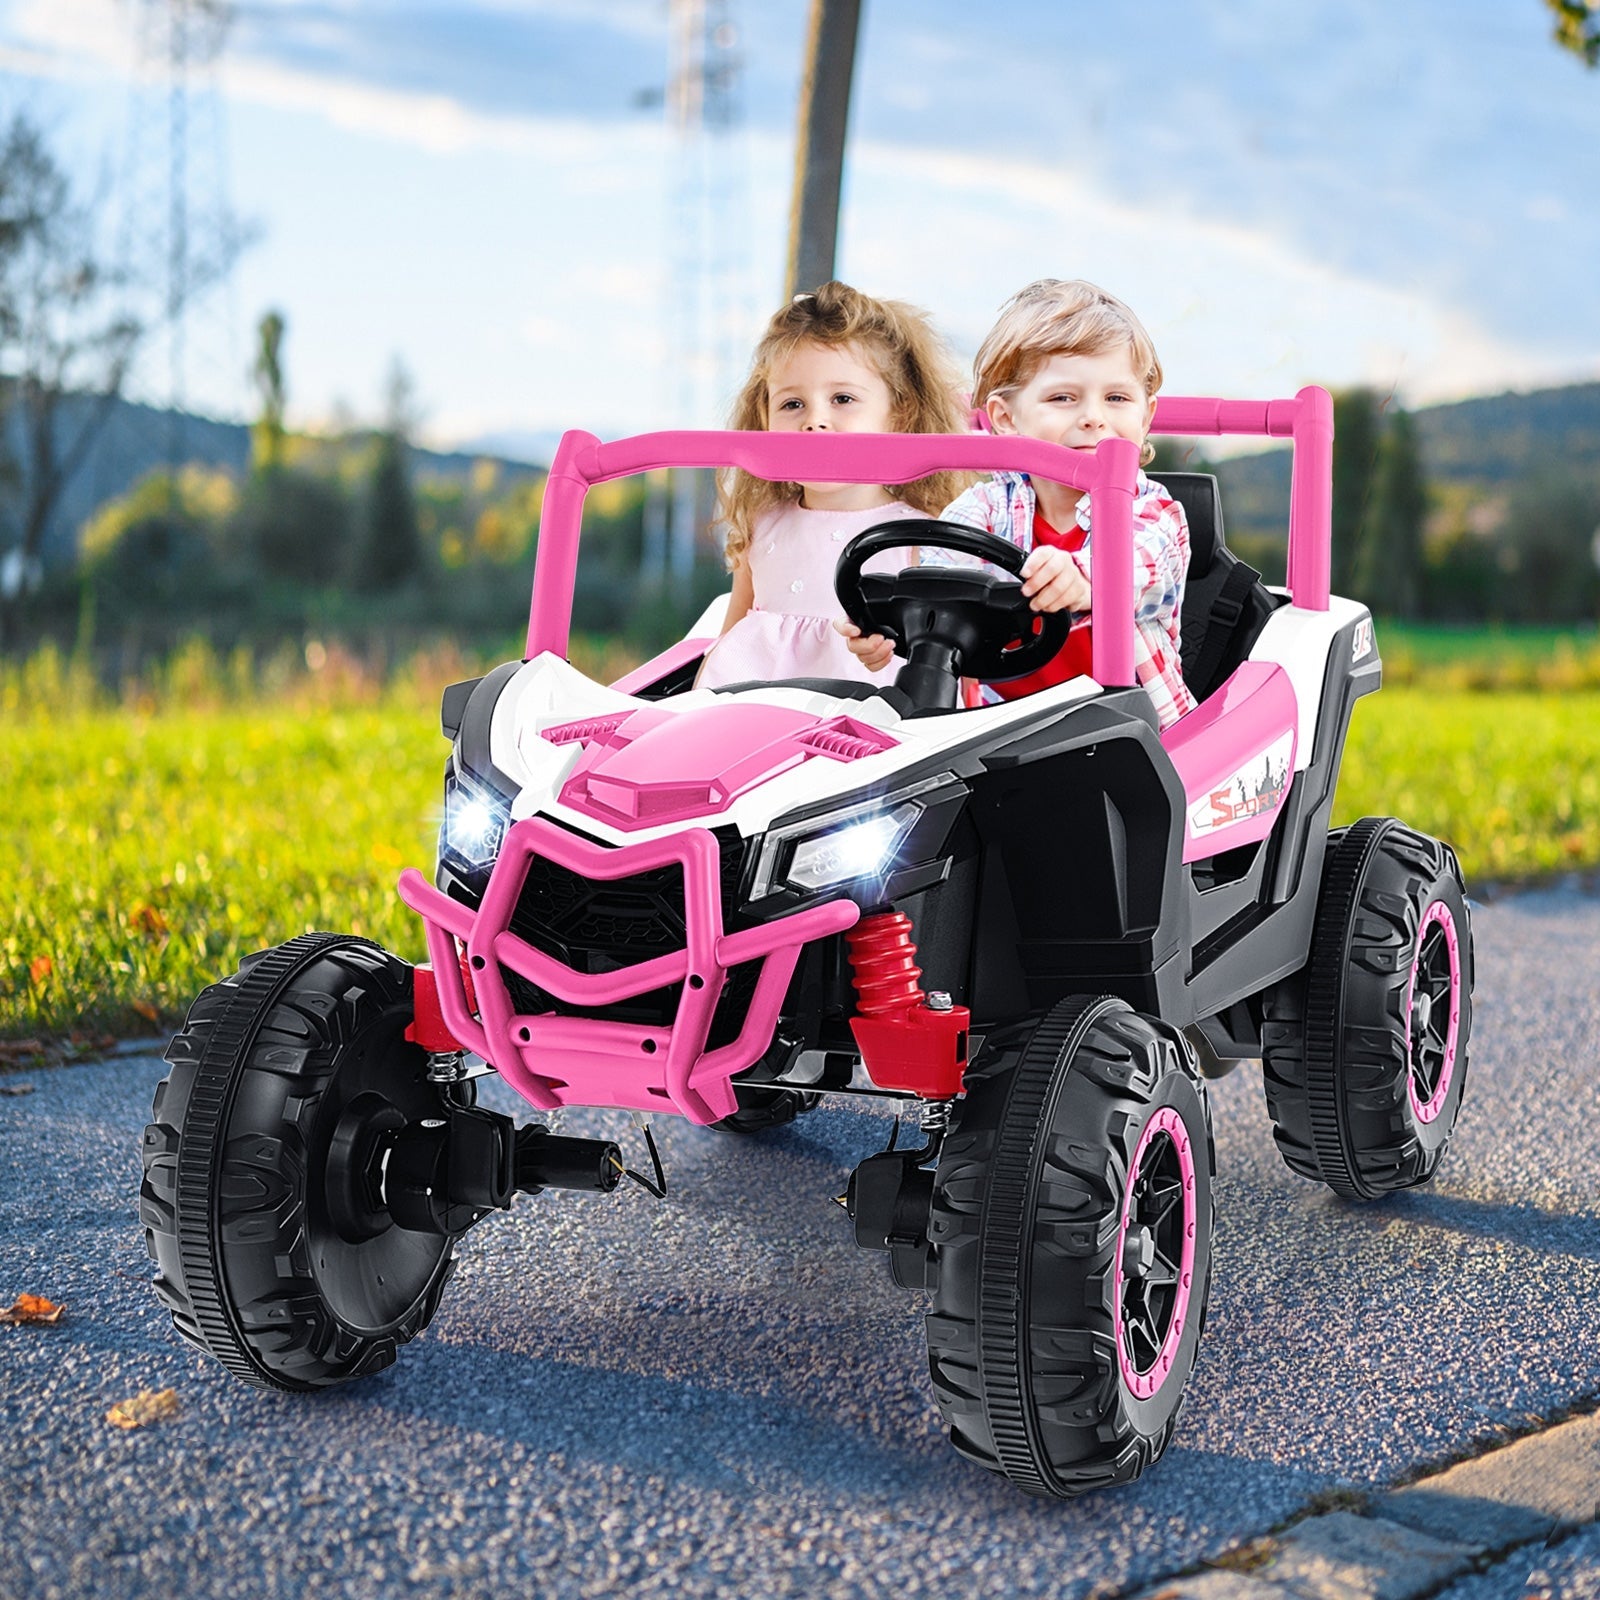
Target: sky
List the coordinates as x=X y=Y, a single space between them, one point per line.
x=1402 y=195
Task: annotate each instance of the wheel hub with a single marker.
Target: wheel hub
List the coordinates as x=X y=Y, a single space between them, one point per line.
x=1157 y=1258
x=1433 y=1013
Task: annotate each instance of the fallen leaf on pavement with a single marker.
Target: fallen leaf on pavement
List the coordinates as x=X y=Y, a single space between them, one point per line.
x=149 y=1405
x=32 y=1308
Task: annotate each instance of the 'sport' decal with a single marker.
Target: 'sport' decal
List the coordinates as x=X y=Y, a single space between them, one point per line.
x=1255 y=787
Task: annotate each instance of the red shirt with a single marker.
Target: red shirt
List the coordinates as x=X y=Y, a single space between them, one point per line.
x=1075 y=657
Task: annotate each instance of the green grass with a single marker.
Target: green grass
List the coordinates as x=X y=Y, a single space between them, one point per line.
x=1434 y=644
x=1511 y=780
x=142 y=853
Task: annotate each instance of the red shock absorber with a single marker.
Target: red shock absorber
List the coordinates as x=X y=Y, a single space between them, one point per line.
x=906 y=1042
x=885 y=960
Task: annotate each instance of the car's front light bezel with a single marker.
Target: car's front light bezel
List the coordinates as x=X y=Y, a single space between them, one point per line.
x=473 y=828
x=812 y=841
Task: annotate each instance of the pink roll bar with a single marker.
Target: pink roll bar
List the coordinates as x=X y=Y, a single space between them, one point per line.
x=581 y=461
x=1109 y=476
x=1308 y=421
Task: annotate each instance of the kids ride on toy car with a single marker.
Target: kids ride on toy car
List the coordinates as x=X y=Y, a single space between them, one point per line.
x=1040 y=924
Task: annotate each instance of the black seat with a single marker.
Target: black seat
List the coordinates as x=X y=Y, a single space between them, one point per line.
x=1225 y=604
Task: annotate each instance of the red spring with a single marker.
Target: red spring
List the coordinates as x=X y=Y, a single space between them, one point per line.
x=885 y=962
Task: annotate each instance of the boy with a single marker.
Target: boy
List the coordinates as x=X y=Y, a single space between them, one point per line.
x=1071 y=364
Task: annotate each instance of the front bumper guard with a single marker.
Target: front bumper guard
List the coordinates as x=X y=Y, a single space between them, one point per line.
x=554 y=1060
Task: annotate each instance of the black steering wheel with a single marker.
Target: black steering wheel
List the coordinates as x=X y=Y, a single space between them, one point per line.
x=947 y=621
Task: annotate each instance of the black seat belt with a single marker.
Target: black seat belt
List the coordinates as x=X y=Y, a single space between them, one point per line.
x=1221 y=624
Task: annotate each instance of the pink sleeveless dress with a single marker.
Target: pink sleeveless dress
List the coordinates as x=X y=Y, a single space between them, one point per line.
x=789 y=632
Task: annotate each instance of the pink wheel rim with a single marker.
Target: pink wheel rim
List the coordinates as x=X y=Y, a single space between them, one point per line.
x=1423 y=1034
x=1164 y=1128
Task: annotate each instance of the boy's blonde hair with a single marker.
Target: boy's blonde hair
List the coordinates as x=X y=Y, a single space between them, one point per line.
x=909 y=355
x=1060 y=316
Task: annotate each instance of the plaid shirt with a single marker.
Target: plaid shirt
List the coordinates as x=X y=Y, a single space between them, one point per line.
x=1005 y=505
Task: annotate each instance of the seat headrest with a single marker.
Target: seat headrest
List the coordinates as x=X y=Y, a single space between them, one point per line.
x=1201 y=500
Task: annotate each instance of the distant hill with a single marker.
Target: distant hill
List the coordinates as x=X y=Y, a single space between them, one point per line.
x=137 y=439
x=1485 y=443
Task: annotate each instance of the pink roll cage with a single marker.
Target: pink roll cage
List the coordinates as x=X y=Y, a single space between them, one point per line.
x=1109 y=476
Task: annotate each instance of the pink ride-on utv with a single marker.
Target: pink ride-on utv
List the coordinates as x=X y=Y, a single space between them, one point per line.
x=726 y=904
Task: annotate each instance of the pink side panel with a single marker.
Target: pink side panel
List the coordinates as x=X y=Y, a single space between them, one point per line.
x=1224 y=736
x=657 y=667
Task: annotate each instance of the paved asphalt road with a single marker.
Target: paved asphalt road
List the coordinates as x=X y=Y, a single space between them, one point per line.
x=719 y=1395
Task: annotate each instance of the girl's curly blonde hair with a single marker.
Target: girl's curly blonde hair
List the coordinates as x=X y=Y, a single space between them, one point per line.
x=900 y=342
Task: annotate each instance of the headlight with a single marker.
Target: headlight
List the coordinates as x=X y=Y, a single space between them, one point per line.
x=856 y=850
x=855 y=842
x=475 y=823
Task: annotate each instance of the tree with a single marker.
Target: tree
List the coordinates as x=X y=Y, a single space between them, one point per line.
x=1549 y=526
x=1355 y=454
x=63 y=333
x=1389 y=556
x=1578 y=28
x=266 y=438
x=389 y=551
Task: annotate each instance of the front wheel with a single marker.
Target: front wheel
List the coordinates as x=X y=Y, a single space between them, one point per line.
x=1364 y=1050
x=262 y=1194
x=1072 y=1224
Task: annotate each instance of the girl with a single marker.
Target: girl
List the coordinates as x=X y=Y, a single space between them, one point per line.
x=836 y=361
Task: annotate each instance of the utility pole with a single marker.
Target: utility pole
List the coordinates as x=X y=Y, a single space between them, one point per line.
x=819 y=154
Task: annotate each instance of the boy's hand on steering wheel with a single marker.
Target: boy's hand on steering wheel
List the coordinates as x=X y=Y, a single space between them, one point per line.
x=872 y=650
x=1052 y=582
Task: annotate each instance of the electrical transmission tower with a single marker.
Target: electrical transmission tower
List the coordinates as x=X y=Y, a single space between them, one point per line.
x=178 y=238
x=707 y=314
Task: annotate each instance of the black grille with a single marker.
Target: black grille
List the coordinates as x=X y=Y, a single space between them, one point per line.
x=597 y=925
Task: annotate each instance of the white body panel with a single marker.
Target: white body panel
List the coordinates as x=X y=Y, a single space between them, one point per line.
x=1299 y=642
x=548 y=692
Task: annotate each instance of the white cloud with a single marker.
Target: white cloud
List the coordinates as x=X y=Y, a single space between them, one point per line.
x=1234 y=310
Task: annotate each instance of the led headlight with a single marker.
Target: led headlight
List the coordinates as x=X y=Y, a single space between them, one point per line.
x=855 y=842
x=475 y=823
x=856 y=850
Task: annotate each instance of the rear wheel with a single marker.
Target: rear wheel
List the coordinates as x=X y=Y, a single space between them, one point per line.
x=262 y=1195
x=1072 y=1224
x=1364 y=1050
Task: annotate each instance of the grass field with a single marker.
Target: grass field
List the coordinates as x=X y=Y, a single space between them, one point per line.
x=146 y=847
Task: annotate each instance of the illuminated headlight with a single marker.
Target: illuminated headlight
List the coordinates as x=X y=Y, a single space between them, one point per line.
x=474 y=823
x=856 y=842
x=861 y=849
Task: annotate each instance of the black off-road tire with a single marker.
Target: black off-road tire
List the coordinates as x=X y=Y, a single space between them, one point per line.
x=1031 y=1339
x=761 y=1110
x=1364 y=1050
x=301 y=1051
